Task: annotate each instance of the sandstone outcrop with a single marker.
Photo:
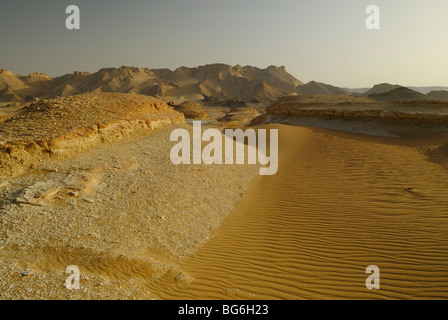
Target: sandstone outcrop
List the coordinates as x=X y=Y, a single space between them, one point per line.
x=62 y=127
x=192 y=110
x=330 y=107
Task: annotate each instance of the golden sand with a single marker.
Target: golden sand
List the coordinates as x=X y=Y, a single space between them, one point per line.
x=337 y=205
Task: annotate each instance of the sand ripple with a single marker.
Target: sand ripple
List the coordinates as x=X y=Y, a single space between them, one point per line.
x=337 y=205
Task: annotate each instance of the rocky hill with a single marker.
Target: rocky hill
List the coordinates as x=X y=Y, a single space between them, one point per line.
x=217 y=81
x=191 y=110
x=439 y=95
x=389 y=92
x=380 y=88
x=313 y=87
x=398 y=94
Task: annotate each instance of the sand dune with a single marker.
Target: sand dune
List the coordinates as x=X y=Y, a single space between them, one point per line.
x=337 y=205
x=139 y=227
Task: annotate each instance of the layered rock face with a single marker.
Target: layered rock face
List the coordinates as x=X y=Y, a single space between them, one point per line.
x=330 y=107
x=61 y=127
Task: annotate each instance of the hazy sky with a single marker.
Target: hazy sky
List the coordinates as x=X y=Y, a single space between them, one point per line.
x=326 y=41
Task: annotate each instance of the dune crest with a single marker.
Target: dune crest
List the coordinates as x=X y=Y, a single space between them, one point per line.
x=340 y=202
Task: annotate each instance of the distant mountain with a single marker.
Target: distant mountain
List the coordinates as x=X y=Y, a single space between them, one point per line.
x=381 y=88
x=17 y=88
x=217 y=81
x=214 y=84
x=384 y=87
x=438 y=95
x=313 y=87
x=426 y=90
x=357 y=91
x=398 y=94
x=389 y=92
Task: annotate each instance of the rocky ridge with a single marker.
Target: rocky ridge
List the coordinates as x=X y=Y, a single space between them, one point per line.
x=62 y=127
x=425 y=113
x=218 y=81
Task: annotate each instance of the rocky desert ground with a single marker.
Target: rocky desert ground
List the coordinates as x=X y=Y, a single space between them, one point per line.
x=86 y=179
x=101 y=192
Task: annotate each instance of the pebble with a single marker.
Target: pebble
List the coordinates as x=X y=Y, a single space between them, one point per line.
x=26 y=273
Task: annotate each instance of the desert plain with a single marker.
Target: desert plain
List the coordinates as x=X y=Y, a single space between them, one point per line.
x=86 y=179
